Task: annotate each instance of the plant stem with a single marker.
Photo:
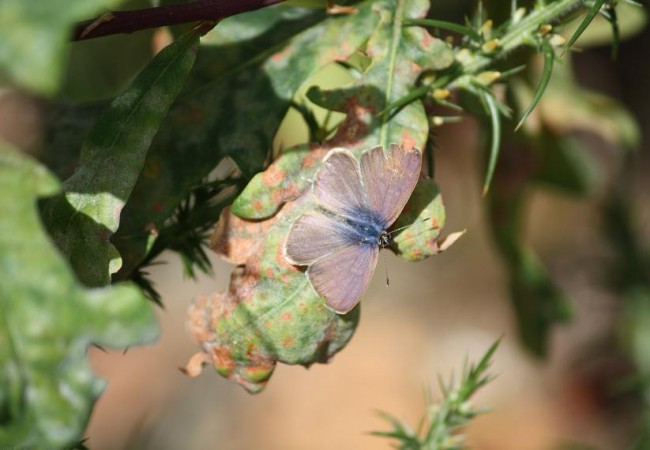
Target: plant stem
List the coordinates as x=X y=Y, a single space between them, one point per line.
x=520 y=34
x=116 y=22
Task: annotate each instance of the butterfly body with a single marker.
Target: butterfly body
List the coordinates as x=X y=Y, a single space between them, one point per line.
x=356 y=202
x=364 y=228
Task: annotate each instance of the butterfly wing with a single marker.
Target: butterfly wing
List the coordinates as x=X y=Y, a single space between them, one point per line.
x=337 y=185
x=343 y=277
x=312 y=236
x=389 y=179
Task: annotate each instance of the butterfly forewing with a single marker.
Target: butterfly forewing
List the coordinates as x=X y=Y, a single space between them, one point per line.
x=312 y=236
x=342 y=277
x=337 y=186
x=339 y=241
x=389 y=179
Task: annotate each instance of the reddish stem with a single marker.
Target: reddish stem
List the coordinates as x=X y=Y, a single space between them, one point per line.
x=116 y=22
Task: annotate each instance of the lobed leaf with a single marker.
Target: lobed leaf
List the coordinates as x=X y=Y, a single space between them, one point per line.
x=83 y=219
x=399 y=55
x=270 y=313
x=423 y=219
x=392 y=50
x=47 y=320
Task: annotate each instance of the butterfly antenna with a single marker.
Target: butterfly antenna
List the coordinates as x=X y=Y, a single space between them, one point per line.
x=390 y=233
x=386 y=269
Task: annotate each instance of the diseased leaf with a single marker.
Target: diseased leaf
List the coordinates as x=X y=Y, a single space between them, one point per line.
x=423 y=219
x=47 y=320
x=34 y=35
x=270 y=313
x=250 y=68
x=392 y=50
x=284 y=180
x=83 y=219
x=398 y=54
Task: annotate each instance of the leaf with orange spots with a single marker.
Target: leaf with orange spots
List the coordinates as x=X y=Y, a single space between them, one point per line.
x=270 y=314
x=247 y=72
x=398 y=56
x=283 y=181
x=420 y=223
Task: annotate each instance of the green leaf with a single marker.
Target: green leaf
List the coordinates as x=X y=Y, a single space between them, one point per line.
x=47 y=320
x=66 y=126
x=393 y=50
x=270 y=313
x=420 y=223
x=83 y=219
x=250 y=68
x=34 y=35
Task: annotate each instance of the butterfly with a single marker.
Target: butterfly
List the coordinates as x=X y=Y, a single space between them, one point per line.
x=357 y=201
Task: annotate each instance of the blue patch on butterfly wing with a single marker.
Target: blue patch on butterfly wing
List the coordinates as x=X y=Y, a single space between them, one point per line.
x=389 y=178
x=360 y=226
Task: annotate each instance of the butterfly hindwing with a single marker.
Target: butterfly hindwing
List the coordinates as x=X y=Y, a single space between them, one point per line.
x=312 y=236
x=343 y=276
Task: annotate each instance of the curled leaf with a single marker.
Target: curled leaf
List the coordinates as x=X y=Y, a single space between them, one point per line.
x=421 y=223
x=270 y=313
